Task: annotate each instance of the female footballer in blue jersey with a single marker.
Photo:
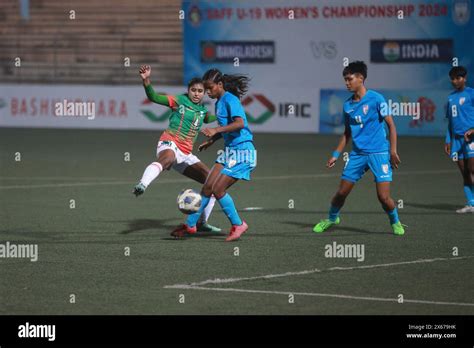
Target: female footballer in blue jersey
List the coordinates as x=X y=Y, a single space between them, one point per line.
x=364 y=114
x=458 y=145
x=238 y=159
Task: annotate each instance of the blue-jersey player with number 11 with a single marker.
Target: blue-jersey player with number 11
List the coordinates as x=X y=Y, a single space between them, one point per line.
x=365 y=114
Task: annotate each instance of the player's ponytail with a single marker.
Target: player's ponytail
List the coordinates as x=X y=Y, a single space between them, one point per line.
x=235 y=84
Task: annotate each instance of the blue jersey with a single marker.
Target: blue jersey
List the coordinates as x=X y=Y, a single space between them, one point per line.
x=366 y=119
x=227 y=108
x=460 y=111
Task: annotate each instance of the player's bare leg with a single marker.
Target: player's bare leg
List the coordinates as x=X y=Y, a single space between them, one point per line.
x=338 y=200
x=164 y=161
x=345 y=188
x=383 y=194
x=198 y=172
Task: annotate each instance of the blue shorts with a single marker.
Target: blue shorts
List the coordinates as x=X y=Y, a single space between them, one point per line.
x=461 y=148
x=358 y=164
x=238 y=161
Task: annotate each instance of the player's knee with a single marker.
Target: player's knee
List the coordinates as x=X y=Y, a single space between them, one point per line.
x=165 y=163
x=207 y=190
x=384 y=198
x=218 y=191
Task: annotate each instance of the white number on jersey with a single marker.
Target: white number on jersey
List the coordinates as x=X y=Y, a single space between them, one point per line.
x=454 y=111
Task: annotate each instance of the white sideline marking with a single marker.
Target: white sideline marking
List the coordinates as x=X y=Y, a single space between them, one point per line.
x=252 y=208
x=173 y=181
x=311 y=271
x=366 y=298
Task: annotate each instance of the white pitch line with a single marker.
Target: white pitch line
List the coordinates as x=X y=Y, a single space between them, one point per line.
x=252 y=208
x=311 y=271
x=174 y=181
x=350 y=297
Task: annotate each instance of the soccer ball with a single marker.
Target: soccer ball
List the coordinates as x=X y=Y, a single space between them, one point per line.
x=189 y=201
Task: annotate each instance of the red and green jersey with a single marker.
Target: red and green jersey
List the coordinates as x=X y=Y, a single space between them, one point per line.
x=185 y=121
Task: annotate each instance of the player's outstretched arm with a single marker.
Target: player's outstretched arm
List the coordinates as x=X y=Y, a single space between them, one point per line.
x=145 y=73
x=345 y=138
x=236 y=125
x=209 y=142
x=392 y=133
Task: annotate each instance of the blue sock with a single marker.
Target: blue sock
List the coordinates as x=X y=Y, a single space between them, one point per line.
x=468 y=192
x=228 y=207
x=333 y=212
x=393 y=216
x=192 y=219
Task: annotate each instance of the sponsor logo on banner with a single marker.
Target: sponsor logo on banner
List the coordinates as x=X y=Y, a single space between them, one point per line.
x=258 y=104
x=32 y=106
x=152 y=117
x=246 y=51
x=461 y=11
x=195 y=16
x=411 y=51
x=265 y=114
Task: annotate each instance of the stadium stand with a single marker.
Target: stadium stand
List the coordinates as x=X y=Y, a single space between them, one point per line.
x=91 y=48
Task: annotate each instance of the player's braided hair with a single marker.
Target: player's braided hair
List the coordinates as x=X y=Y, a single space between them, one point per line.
x=235 y=84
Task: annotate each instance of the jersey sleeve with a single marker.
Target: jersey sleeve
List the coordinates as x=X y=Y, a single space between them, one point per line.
x=235 y=108
x=471 y=95
x=155 y=97
x=210 y=118
x=346 y=117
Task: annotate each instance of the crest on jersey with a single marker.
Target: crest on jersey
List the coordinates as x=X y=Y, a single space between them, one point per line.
x=462 y=100
x=365 y=109
x=461 y=11
x=385 y=168
x=471 y=145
